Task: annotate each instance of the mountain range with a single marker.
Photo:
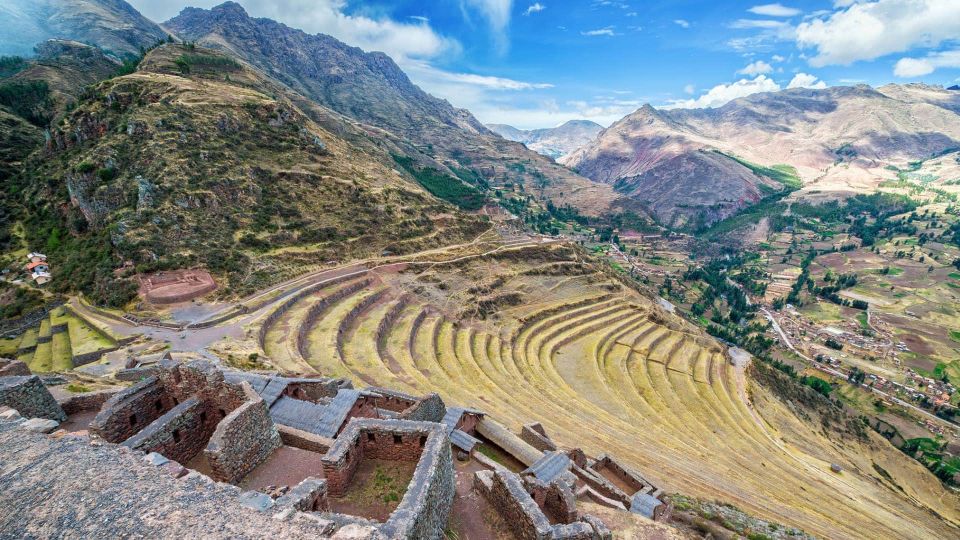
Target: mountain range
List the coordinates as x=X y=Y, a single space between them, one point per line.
x=692 y=167
x=553 y=142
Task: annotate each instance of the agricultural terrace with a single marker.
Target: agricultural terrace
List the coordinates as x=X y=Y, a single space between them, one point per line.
x=534 y=334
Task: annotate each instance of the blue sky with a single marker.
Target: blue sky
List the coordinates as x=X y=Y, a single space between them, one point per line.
x=539 y=63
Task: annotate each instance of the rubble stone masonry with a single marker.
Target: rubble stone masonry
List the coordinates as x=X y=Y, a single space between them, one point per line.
x=30 y=398
x=242 y=440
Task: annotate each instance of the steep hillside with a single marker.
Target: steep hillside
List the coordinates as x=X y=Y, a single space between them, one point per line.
x=110 y=24
x=831 y=136
x=66 y=68
x=196 y=159
x=553 y=142
x=370 y=88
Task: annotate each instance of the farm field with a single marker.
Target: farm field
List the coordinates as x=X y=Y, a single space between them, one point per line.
x=532 y=336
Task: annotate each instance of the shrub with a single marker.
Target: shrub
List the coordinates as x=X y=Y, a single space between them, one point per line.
x=29 y=100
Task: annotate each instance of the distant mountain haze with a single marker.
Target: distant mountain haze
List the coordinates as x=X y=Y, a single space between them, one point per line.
x=553 y=142
x=112 y=25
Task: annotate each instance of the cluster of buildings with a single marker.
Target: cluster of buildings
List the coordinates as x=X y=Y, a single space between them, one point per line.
x=38 y=268
x=198 y=424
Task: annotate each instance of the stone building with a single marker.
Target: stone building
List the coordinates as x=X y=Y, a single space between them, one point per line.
x=186 y=409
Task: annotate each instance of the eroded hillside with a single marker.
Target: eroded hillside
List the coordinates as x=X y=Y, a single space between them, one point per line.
x=197 y=159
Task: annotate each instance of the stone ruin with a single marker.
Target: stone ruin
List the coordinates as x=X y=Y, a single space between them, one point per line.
x=225 y=424
x=176 y=286
x=187 y=409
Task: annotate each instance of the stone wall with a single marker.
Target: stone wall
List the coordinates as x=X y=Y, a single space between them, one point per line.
x=310 y=495
x=13 y=368
x=242 y=440
x=517 y=507
x=131 y=410
x=535 y=436
x=30 y=398
x=179 y=434
x=429 y=409
x=315 y=389
x=625 y=475
x=425 y=507
x=510 y=498
x=88 y=401
x=304 y=439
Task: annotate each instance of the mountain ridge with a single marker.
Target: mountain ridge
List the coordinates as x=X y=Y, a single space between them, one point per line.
x=814 y=130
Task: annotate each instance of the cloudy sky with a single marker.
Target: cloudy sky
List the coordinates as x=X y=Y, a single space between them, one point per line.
x=539 y=63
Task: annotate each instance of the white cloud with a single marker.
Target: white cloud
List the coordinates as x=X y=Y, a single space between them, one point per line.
x=918 y=67
x=777 y=58
x=805 y=80
x=865 y=30
x=724 y=93
x=535 y=7
x=774 y=10
x=549 y=112
x=682 y=23
x=493 y=83
x=608 y=31
x=689 y=89
x=497 y=14
x=766 y=24
x=400 y=40
x=756 y=68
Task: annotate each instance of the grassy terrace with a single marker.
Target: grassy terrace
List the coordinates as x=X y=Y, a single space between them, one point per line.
x=601 y=374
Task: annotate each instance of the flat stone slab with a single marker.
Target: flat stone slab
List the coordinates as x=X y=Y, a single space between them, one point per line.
x=261 y=502
x=40 y=425
x=156 y=459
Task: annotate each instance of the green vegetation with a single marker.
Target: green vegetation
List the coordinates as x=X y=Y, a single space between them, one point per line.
x=11 y=65
x=443 y=186
x=17 y=301
x=28 y=99
x=189 y=62
x=78 y=388
x=930 y=453
x=784 y=174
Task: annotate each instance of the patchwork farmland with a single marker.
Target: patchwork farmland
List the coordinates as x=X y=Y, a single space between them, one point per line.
x=526 y=335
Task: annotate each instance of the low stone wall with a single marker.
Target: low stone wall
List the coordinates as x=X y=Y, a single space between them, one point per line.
x=535 y=436
x=135 y=374
x=518 y=508
x=310 y=495
x=557 y=498
x=180 y=434
x=625 y=475
x=510 y=498
x=89 y=401
x=242 y=440
x=425 y=507
x=429 y=409
x=131 y=410
x=304 y=440
x=30 y=398
x=13 y=368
